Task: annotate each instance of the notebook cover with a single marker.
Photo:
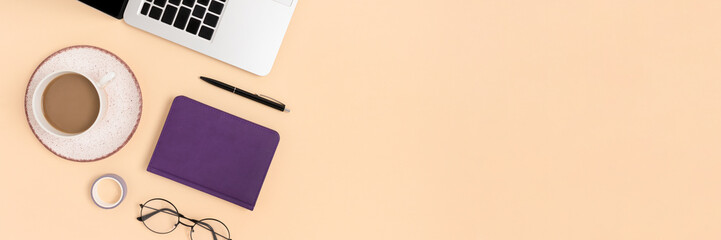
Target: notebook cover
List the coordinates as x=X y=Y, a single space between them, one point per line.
x=214 y=152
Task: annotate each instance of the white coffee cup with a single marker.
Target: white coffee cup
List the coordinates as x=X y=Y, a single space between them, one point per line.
x=37 y=101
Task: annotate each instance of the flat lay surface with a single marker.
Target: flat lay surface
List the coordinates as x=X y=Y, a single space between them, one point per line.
x=410 y=120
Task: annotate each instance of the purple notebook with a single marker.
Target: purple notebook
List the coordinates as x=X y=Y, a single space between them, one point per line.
x=214 y=152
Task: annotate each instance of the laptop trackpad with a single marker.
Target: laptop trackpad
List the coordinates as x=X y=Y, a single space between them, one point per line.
x=285 y=2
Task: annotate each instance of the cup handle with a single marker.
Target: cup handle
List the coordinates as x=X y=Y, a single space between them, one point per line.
x=106 y=79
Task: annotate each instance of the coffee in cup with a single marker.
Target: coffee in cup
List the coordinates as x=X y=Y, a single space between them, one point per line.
x=68 y=103
x=71 y=103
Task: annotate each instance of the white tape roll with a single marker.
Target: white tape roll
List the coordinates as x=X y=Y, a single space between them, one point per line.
x=94 y=191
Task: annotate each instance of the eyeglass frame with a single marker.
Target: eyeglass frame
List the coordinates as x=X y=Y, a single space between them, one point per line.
x=179 y=216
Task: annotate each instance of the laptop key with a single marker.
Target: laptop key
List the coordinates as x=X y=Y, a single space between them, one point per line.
x=210 y=20
x=182 y=18
x=155 y=13
x=206 y=32
x=216 y=7
x=193 y=26
x=197 y=17
x=146 y=9
x=169 y=14
x=160 y=3
x=199 y=11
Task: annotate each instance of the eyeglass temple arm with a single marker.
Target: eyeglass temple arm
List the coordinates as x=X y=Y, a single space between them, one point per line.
x=156 y=211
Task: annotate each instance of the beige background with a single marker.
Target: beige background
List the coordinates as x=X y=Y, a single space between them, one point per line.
x=411 y=120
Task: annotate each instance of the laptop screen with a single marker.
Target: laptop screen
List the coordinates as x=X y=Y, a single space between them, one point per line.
x=113 y=8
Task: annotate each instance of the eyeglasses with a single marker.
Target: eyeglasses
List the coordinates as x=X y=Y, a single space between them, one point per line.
x=160 y=216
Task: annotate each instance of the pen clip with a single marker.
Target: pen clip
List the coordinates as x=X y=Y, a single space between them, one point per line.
x=272 y=99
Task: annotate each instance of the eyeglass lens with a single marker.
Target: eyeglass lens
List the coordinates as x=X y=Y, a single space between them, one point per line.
x=159 y=216
x=209 y=229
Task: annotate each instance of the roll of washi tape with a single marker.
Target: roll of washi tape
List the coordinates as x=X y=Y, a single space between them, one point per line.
x=96 y=198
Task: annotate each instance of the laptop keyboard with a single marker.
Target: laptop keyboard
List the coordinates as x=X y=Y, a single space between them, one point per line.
x=197 y=17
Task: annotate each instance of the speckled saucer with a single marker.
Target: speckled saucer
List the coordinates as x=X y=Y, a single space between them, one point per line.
x=122 y=115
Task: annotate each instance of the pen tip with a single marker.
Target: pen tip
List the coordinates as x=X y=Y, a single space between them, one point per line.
x=206 y=79
x=286 y=110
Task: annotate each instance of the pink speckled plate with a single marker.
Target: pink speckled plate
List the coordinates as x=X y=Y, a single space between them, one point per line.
x=125 y=104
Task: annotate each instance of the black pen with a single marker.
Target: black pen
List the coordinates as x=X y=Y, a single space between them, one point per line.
x=265 y=100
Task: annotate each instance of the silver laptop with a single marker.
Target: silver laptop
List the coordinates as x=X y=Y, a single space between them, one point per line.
x=243 y=33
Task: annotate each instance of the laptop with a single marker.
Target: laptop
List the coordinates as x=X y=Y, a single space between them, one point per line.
x=243 y=33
